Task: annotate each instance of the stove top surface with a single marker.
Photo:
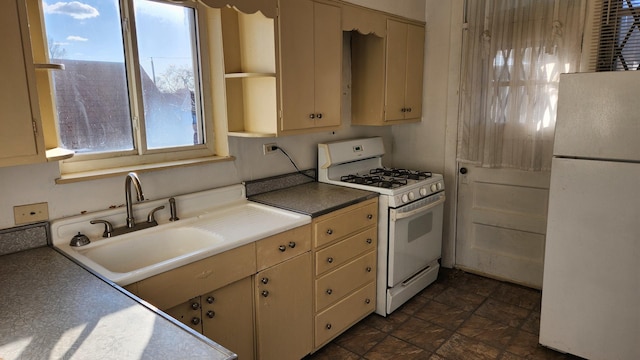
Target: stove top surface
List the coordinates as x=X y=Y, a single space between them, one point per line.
x=387 y=178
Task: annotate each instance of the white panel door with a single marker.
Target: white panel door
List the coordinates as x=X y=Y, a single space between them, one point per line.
x=501 y=223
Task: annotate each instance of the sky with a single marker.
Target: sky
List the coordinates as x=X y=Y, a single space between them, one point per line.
x=90 y=30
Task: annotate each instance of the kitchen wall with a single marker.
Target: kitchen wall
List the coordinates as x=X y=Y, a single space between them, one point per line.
x=422 y=145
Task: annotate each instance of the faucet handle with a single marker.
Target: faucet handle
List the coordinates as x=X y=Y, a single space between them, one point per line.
x=108 y=228
x=151 y=217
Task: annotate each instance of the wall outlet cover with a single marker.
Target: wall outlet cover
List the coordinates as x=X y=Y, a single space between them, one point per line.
x=30 y=213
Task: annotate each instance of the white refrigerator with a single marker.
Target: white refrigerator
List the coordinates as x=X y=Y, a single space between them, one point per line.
x=591 y=284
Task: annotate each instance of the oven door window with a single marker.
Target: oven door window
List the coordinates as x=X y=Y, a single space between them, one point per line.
x=415 y=241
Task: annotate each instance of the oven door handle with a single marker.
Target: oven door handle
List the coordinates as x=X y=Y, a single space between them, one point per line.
x=395 y=215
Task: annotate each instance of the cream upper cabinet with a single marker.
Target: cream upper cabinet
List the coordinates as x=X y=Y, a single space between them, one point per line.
x=21 y=139
x=405 y=54
x=310 y=65
x=387 y=71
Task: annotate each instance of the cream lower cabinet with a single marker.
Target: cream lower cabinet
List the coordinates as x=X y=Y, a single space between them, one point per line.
x=345 y=256
x=21 y=137
x=283 y=295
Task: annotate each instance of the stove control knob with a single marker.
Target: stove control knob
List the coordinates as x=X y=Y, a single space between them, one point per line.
x=423 y=192
x=434 y=187
x=412 y=196
x=405 y=198
x=439 y=186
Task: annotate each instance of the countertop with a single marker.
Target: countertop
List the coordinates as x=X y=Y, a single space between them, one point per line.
x=52 y=308
x=313 y=198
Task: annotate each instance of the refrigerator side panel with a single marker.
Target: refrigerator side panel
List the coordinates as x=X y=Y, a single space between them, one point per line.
x=599 y=116
x=591 y=283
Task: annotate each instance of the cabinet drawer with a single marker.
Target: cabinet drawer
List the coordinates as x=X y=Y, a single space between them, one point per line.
x=280 y=247
x=331 y=322
x=175 y=286
x=338 y=254
x=343 y=223
x=340 y=282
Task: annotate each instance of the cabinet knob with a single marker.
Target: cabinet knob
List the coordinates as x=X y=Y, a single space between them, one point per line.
x=367 y=301
x=319 y=115
x=369 y=269
x=403 y=110
x=328 y=326
x=329 y=291
x=265 y=293
x=195 y=321
x=282 y=248
x=408 y=109
x=292 y=244
x=195 y=306
x=329 y=231
x=264 y=280
x=210 y=299
x=330 y=260
x=312 y=116
x=369 y=241
x=211 y=314
x=370 y=216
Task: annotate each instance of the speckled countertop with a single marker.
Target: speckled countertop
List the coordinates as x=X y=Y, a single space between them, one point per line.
x=51 y=308
x=313 y=198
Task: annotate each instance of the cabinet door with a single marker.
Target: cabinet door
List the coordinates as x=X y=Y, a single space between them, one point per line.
x=227 y=317
x=415 y=70
x=296 y=64
x=283 y=309
x=396 y=70
x=328 y=64
x=20 y=143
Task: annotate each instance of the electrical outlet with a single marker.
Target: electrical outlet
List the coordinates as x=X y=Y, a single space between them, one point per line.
x=269 y=148
x=24 y=214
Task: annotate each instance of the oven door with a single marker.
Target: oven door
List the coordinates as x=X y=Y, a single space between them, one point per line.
x=415 y=237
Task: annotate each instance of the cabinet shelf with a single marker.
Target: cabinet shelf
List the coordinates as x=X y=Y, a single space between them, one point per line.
x=243 y=75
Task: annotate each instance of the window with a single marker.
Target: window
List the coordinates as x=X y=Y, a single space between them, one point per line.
x=132 y=89
x=619 y=35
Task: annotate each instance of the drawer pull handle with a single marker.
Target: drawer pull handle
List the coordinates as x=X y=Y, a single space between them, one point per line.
x=367 y=301
x=369 y=241
x=282 y=248
x=195 y=306
x=330 y=260
x=329 y=326
x=370 y=216
x=264 y=280
x=292 y=244
x=368 y=268
x=329 y=291
x=195 y=321
x=265 y=293
x=329 y=231
x=210 y=299
x=211 y=314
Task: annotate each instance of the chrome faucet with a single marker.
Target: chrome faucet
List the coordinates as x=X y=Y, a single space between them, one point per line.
x=109 y=231
x=132 y=178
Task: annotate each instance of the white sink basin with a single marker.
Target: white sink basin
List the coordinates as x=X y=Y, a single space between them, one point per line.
x=211 y=222
x=138 y=251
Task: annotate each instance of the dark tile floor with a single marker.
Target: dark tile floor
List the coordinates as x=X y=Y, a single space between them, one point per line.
x=460 y=316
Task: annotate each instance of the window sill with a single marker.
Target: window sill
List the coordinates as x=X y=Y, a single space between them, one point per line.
x=120 y=171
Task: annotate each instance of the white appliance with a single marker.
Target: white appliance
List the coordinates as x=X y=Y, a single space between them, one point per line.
x=410 y=215
x=591 y=285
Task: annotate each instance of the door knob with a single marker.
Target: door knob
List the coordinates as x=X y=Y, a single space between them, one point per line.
x=463 y=170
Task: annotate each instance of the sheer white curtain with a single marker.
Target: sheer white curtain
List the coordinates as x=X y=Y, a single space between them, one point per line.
x=513 y=54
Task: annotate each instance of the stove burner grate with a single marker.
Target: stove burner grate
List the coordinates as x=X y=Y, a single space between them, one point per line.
x=402 y=173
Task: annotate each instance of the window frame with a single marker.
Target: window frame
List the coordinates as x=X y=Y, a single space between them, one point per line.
x=140 y=156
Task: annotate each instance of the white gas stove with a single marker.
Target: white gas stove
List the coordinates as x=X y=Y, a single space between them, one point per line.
x=410 y=215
